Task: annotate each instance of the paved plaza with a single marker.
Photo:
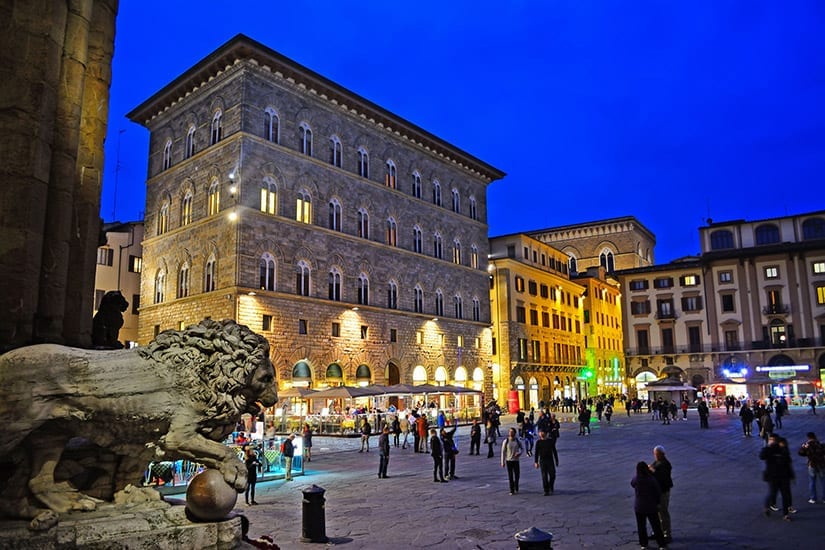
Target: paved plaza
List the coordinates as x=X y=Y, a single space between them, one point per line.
x=717 y=500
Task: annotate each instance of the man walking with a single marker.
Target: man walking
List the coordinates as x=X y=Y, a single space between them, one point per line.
x=661 y=469
x=546 y=458
x=366 y=430
x=704 y=412
x=814 y=451
x=438 y=457
x=383 y=452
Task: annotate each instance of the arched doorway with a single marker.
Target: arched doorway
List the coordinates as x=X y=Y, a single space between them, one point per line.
x=393 y=376
x=533 y=393
x=363 y=375
x=334 y=375
x=419 y=375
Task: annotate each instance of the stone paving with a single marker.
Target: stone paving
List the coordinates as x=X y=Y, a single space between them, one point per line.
x=717 y=500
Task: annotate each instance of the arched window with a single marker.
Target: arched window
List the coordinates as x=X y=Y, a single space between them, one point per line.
x=189 y=150
x=606 y=260
x=476 y=309
x=416 y=185
x=418 y=240
x=438 y=246
x=456 y=252
x=458 y=305
x=456 y=201
x=306 y=138
x=267 y=272
x=186 y=209
x=167 y=155
x=418 y=299
x=335 y=151
x=302 y=276
x=439 y=302
x=335 y=215
x=209 y=274
x=389 y=177
x=163 y=218
x=813 y=228
x=214 y=198
x=303 y=207
x=160 y=286
x=436 y=193
x=474 y=257
x=473 y=208
x=392 y=232
x=363 y=224
x=363 y=163
x=335 y=284
x=216 y=130
x=269 y=196
x=721 y=239
x=767 y=234
x=363 y=289
x=183 y=280
x=272 y=125
x=392 y=295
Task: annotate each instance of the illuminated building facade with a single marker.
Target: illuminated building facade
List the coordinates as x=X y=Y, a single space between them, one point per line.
x=119 y=264
x=605 y=371
x=355 y=241
x=614 y=244
x=747 y=317
x=537 y=318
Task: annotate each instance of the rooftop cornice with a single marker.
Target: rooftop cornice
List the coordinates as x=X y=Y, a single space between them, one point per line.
x=242 y=48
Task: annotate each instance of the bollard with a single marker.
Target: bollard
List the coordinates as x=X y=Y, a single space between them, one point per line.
x=314 y=528
x=534 y=539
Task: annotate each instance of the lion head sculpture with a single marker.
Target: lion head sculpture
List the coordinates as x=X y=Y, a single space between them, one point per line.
x=176 y=398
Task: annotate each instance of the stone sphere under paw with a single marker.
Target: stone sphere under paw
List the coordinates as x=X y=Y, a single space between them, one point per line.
x=209 y=497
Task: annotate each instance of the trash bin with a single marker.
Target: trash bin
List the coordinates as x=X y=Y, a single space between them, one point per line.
x=314 y=520
x=534 y=539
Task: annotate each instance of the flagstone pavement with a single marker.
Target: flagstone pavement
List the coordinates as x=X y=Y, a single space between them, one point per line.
x=717 y=500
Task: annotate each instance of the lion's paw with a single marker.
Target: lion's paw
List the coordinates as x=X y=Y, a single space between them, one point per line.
x=43 y=521
x=84 y=504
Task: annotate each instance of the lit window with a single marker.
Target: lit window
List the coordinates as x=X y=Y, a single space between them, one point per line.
x=820 y=295
x=519 y=284
x=771 y=272
x=818 y=268
x=214 y=198
x=186 y=209
x=474 y=257
x=160 y=286
x=303 y=207
x=392 y=232
x=163 y=219
x=725 y=276
x=105 y=256
x=183 y=281
x=690 y=280
x=216 y=130
x=390 y=176
x=135 y=264
x=456 y=252
x=269 y=196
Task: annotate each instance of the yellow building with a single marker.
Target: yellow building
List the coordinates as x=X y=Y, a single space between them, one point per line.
x=537 y=319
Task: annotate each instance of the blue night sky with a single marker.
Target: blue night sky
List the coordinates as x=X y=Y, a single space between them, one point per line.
x=672 y=112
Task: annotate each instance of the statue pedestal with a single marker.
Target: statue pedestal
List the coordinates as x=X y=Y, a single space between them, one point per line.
x=150 y=525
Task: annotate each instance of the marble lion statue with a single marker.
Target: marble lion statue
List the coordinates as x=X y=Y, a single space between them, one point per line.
x=176 y=398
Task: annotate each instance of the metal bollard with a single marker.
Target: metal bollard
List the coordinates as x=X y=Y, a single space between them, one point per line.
x=314 y=520
x=534 y=539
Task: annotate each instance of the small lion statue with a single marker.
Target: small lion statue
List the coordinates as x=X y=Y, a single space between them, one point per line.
x=108 y=320
x=176 y=398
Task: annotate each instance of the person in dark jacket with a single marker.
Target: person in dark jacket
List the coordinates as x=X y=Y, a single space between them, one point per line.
x=746 y=415
x=449 y=449
x=383 y=452
x=252 y=466
x=546 y=458
x=662 y=469
x=475 y=437
x=778 y=473
x=646 y=503
x=436 y=451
